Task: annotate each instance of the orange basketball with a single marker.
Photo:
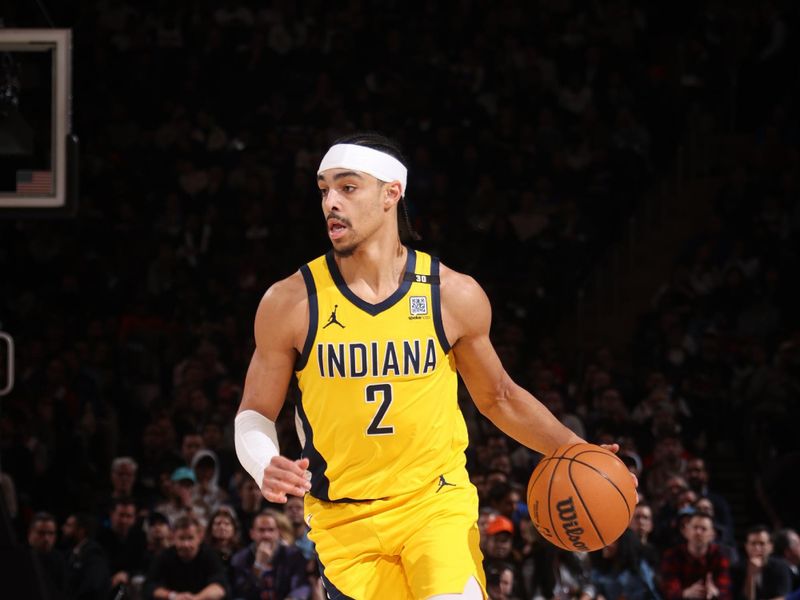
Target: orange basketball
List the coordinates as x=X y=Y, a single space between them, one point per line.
x=581 y=498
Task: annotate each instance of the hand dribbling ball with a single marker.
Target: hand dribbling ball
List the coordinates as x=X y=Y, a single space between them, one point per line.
x=581 y=498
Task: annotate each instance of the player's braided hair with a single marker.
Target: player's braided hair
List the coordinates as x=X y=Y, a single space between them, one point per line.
x=380 y=142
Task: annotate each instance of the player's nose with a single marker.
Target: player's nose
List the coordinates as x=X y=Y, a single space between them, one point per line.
x=331 y=201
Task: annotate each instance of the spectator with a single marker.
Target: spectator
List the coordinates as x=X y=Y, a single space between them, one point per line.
x=642 y=526
x=667 y=531
x=159 y=536
x=123 y=542
x=223 y=535
x=285 y=527
x=42 y=534
x=213 y=440
x=697 y=477
x=669 y=461
x=573 y=576
x=124 y=470
x=500 y=582
x=493 y=478
x=485 y=516
x=189 y=567
x=499 y=536
x=630 y=457
x=724 y=535
x=207 y=494
x=88 y=576
x=157 y=456
x=251 y=502
x=787 y=550
x=191 y=444
x=268 y=567
x=760 y=576
x=181 y=501
x=620 y=571
x=477 y=476
x=498 y=545
x=294 y=512
x=503 y=499
x=696 y=569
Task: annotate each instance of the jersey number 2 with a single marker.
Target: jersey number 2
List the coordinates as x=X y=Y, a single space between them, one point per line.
x=372 y=392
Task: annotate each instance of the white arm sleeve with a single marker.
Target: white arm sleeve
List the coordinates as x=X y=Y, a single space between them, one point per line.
x=256 y=441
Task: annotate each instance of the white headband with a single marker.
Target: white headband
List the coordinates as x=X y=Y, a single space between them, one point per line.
x=367 y=160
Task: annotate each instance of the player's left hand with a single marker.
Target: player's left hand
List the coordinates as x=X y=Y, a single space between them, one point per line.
x=615 y=449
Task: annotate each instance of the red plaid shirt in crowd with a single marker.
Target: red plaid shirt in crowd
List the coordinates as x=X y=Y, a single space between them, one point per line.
x=679 y=570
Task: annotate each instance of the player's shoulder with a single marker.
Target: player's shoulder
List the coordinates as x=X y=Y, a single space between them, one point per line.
x=290 y=288
x=284 y=296
x=459 y=288
x=465 y=306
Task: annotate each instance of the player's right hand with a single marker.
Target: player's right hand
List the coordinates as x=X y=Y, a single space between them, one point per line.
x=284 y=476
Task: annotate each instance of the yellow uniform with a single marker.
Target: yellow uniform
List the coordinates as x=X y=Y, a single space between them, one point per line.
x=381 y=426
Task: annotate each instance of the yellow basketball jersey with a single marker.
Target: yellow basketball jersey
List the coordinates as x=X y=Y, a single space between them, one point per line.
x=378 y=414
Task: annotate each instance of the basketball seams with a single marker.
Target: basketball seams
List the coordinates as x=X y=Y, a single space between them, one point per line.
x=602 y=474
x=549 y=473
x=541 y=472
x=532 y=483
x=580 y=497
x=553 y=527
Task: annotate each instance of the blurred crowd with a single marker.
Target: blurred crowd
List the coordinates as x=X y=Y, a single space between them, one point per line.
x=532 y=130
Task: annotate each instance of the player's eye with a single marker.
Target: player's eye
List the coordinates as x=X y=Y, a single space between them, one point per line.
x=349 y=188
x=323 y=192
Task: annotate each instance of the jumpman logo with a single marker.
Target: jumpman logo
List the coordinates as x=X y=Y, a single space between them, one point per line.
x=332 y=319
x=443 y=483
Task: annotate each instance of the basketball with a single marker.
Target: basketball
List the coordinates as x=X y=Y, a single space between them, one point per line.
x=581 y=498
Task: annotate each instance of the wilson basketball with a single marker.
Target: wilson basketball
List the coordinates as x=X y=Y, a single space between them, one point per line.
x=581 y=498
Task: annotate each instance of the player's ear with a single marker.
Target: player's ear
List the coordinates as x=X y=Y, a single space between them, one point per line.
x=392 y=193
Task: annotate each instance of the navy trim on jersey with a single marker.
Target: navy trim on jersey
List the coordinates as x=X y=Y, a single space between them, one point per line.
x=372 y=309
x=436 y=299
x=316 y=462
x=332 y=591
x=313 y=317
x=317 y=465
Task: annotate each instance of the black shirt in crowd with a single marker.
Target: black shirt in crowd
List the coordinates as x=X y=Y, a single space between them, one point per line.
x=170 y=571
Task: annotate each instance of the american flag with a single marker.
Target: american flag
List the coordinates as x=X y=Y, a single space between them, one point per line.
x=34 y=182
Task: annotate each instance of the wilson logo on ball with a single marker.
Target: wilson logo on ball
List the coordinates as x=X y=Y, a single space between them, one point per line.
x=569 y=521
x=581 y=497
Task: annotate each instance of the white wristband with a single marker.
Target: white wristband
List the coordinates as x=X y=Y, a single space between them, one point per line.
x=256 y=441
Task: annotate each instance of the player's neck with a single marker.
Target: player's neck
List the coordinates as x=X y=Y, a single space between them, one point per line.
x=375 y=269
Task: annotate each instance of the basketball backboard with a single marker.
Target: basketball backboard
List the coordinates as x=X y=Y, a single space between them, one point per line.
x=36 y=143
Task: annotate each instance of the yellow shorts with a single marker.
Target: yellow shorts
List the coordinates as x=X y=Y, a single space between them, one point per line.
x=411 y=546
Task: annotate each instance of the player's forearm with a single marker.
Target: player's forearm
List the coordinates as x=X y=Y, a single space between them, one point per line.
x=520 y=415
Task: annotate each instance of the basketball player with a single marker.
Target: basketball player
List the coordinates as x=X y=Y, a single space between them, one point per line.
x=375 y=333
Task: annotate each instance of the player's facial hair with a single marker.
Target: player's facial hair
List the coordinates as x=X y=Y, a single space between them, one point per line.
x=342 y=252
x=345 y=252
